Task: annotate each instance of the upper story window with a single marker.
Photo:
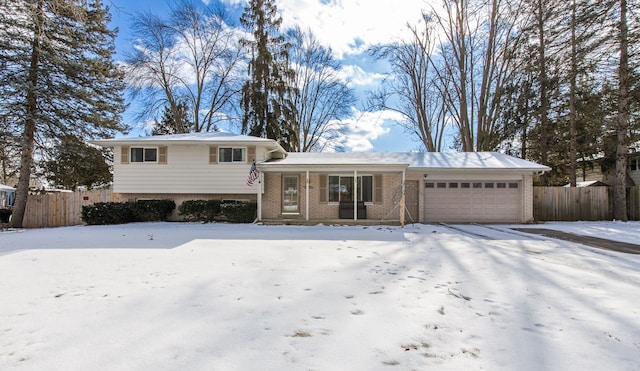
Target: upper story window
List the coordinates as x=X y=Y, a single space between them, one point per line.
x=229 y=154
x=142 y=154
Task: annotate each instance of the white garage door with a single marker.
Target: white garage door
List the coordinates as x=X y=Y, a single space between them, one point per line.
x=473 y=201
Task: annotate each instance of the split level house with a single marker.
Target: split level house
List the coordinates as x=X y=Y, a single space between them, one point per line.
x=380 y=187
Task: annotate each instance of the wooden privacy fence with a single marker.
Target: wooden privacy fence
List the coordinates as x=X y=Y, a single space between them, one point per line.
x=581 y=203
x=62 y=208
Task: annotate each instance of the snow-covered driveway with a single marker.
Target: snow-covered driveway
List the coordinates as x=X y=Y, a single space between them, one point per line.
x=182 y=296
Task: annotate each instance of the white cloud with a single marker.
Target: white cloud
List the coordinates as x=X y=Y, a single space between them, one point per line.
x=350 y=26
x=357 y=76
x=364 y=127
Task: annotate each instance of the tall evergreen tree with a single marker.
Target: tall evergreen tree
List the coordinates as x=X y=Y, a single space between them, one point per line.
x=266 y=96
x=57 y=76
x=73 y=163
x=174 y=121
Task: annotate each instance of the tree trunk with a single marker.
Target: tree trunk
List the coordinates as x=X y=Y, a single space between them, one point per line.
x=620 y=192
x=573 y=129
x=544 y=99
x=28 y=135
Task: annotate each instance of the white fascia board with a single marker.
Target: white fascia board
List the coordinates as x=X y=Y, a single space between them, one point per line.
x=335 y=168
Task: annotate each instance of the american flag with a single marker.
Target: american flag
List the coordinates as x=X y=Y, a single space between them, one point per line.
x=253 y=174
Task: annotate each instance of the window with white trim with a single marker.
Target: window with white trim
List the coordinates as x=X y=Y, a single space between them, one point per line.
x=144 y=154
x=232 y=154
x=341 y=188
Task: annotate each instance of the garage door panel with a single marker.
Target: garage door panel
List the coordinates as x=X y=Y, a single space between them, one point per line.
x=466 y=205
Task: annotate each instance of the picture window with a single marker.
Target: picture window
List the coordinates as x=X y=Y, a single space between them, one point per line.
x=341 y=188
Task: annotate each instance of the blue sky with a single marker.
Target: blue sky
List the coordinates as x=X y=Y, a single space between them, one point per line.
x=347 y=26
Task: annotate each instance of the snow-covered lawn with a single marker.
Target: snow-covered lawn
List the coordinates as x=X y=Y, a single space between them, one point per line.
x=174 y=296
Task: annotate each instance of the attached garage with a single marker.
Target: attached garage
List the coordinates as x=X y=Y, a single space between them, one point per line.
x=488 y=201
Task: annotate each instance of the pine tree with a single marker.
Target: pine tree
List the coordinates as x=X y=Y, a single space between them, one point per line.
x=266 y=96
x=172 y=124
x=57 y=77
x=72 y=163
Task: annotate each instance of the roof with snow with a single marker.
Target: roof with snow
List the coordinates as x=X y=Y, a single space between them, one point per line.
x=6 y=188
x=218 y=136
x=415 y=160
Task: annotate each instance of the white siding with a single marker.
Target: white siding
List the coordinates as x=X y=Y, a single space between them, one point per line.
x=187 y=171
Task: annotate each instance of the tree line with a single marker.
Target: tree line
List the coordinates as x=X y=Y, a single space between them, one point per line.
x=554 y=81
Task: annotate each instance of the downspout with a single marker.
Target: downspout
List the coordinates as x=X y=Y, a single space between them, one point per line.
x=259 y=196
x=306 y=207
x=402 y=200
x=355 y=195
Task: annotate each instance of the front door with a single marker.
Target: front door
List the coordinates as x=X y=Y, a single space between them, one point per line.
x=290 y=194
x=411 y=201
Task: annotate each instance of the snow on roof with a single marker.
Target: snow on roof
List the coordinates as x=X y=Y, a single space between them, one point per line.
x=6 y=188
x=428 y=160
x=587 y=183
x=218 y=136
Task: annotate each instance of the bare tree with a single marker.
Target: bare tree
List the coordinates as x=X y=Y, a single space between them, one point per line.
x=322 y=96
x=477 y=49
x=411 y=89
x=190 y=58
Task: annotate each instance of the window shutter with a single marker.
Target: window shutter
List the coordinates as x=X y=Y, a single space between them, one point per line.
x=251 y=154
x=377 y=184
x=124 y=154
x=323 y=188
x=162 y=155
x=213 y=155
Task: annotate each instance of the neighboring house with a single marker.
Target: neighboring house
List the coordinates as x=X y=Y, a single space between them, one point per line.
x=485 y=187
x=599 y=169
x=7 y=198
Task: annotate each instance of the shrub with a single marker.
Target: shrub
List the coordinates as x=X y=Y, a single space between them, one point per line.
x=199 y=210
x=152 y=210
x=242 y=212
x=102 y=213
